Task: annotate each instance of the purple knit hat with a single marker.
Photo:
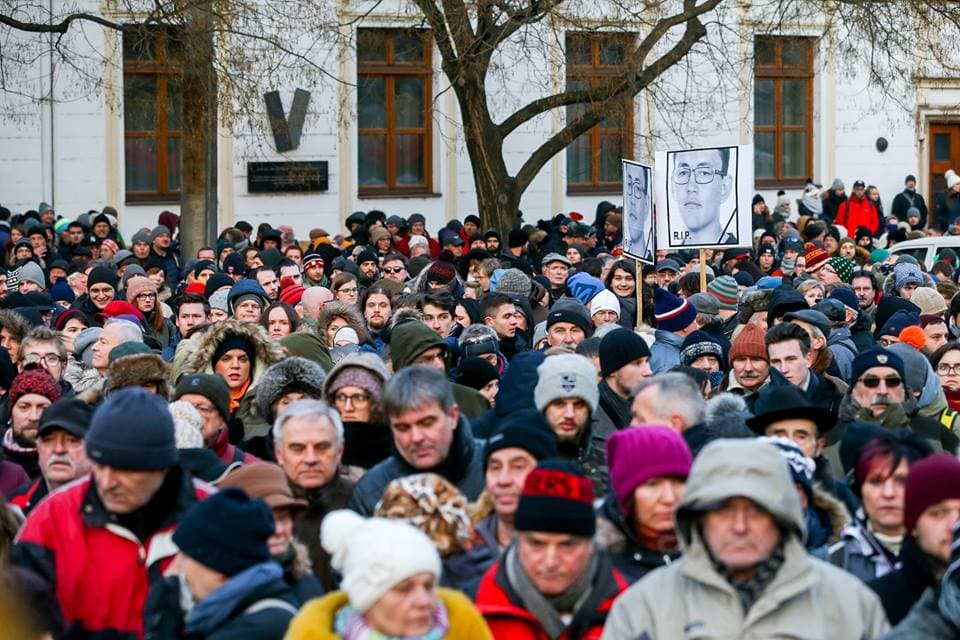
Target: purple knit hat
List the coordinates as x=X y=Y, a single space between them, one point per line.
x=641 y=452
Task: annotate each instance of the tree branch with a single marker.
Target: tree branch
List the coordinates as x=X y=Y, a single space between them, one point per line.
x=58 y=27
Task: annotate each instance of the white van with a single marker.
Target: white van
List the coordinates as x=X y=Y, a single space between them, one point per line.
x=925 y=250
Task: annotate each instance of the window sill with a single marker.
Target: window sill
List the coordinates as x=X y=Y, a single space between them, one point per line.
x=767 y=184
x=151 y=198
x=395 y=193
x=594 y=190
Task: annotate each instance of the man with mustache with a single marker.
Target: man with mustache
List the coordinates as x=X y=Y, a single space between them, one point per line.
x=60 y=450
x=749 y=362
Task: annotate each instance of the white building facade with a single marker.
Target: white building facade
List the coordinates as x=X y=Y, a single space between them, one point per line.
x=389 y=131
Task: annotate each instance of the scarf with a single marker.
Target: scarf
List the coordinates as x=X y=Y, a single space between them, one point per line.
x=659 y=541
x=11 y=445
x=366 y=444
x=616 y=407
x=893 y=544
x=812 y=202
x=351 y=625
x=750 y=590
x=895 y=417
x=953 y=398
x=236 y=395
x=217 y=608
x=547 y=609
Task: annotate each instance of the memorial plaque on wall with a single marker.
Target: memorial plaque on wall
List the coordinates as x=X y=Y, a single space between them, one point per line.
x=287 y=177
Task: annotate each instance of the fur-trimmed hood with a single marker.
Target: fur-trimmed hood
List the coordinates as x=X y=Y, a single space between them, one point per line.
x=835 y=510
x=290 y=374
x=301 y=565
x=889 y=283
x=348 y=312
x=267 y=351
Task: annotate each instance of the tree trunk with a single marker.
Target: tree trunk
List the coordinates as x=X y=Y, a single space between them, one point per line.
x=198 y=181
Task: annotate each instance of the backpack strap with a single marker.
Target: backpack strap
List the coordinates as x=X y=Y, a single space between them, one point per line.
x=270 y=603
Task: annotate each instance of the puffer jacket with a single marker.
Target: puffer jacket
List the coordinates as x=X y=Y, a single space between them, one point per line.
x=858 y=212
x=806 y=598
x=316 y=619
x=267 y=353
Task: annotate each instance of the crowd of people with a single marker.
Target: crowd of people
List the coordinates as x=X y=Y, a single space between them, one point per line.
x=389 y=433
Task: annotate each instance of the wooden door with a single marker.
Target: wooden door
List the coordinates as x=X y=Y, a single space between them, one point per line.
x=944 y=155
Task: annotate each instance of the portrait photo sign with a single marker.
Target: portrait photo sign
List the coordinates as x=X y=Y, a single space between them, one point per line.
x=638 y=229
x=703 y=197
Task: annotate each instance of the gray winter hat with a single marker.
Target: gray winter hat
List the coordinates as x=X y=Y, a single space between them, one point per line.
x=837 y=184
x=566 y=376
x=32 y=272
x=82 y=343
x=218 y=300
x=286 y=376
x=514 y=282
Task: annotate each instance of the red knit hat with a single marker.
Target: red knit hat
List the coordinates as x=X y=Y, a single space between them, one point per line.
x=750 y=343
x=36 y=381
x=815 y=258
x=931 y=480
x=292 y=294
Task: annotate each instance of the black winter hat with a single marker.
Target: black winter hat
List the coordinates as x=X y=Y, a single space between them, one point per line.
x=476 y=373
x=537 y=440
x=784 y=300
x=102 y=275
x=215 y=282
x=367 y=255
x=227 y=532
x=144 y=444
x=234 y=264
x=517 y=238
x=70 y=414
x=557 y=498
x=211 y=386
x=620 y=347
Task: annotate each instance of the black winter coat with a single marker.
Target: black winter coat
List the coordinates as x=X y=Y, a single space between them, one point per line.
x=900 y=589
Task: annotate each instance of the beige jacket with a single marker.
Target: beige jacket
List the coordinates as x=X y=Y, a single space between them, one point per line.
x=807 y=598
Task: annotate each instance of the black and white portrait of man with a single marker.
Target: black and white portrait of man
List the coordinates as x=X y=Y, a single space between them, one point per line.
x=638 y=211
x=701 y=189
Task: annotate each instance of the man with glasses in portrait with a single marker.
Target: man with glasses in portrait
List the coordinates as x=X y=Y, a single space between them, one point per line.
x=637 y=239
x=700 y=184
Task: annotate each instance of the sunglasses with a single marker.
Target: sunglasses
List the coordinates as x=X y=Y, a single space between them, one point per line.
x=392 y=269
x=872 y=382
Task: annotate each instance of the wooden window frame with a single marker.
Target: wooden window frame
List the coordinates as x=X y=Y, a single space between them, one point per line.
x=597 y=71
x=390 y=69
x=777 y=72
x=163 y=68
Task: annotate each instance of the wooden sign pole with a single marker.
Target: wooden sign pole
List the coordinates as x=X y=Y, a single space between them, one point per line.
x=703 y=270
x=639 y=279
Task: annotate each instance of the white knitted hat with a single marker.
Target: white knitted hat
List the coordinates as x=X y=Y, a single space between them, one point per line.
x=568 y=375
x=187 y=424
x=373 y=555
x=606 y=300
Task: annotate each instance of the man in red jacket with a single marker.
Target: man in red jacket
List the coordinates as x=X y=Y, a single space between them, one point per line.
x=101 y=540
x=858 y=211
x=552 y=581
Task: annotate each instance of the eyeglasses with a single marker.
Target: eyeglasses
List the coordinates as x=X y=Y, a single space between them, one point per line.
x=391 y=270
x=872 y=382
x=356 y=399
x=146 y=296
x=345 y=290
x=47 y=360
x=948 y=369
x=701 y=175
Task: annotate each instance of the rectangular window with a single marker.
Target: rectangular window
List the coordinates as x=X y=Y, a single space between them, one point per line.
x=593 y=159
x=393 y=111
x=783 y=111
x=152 y=112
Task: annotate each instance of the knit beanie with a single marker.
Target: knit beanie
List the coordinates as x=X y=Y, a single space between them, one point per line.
x=32 y=272
x=815 y=258
x=187 y=425
x=672 y=312
x=557 y=498
x=102 y=275
x=517 y=238
x=700 y=343
x=234 y=264
x=575 y=315
x=218 y=300
x=899 y=321
x=145 y=444
x=931 y=480
x=705 y=304
x=929 y=300
x=211 y=386
x=351 y=376
x=62 y=291
x=749 y=344
x=567 y=375
x=36 y=381
x=726 y=291
x=801 y=467
x=365 y=552
x=905 y=273
x=876 y=357
x=226 y=532
x=584 y=287
x=434 y=505
x=140 y=237
x=843 y=267
x=638 y=454
x=158 y=231
x=514 y=282
x=137 y=285
x=441 y=272
x=619 y=348
x=476 y=373
x=367 y=255
x=291 y=294
x=606 y=300
x=537 y=441
x=234 y=341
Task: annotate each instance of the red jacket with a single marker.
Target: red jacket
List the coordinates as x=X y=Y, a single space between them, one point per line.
x=858 y=212
x=29 y=494
x=508 y=620
x=101 y=571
